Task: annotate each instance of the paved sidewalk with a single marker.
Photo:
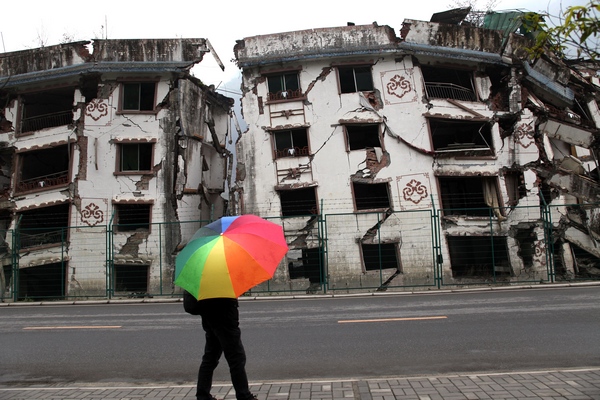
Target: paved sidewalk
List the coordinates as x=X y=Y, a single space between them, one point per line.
x=574 y=384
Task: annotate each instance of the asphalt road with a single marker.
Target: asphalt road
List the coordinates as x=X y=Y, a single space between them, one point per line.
x=341 y=337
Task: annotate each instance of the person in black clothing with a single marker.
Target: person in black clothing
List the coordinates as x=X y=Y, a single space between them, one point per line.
x=220 y=321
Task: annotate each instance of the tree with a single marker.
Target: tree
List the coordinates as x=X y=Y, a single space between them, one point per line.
x=574 y=34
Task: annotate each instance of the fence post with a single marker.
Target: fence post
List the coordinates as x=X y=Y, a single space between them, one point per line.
x=546 y=215
x=438 y=258
x=109 y=257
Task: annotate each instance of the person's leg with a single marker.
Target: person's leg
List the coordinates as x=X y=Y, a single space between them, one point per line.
x=230 y=336
x=210 y=360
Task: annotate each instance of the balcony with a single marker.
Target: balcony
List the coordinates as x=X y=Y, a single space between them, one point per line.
x=437 y=90
x=285 y=95
x=43 y=182
x=46 y=121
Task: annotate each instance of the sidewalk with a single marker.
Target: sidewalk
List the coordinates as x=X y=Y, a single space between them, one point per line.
x=574 y=384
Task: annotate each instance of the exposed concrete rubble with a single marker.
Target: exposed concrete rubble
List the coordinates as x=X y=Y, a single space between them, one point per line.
x=438 y=115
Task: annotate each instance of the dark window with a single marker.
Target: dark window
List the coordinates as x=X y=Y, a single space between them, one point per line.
x=464 y=137
x=363 y=136
x=371 y=196
x=355 y=79
x=298 y=202
x=139 y=96
x=306 y=263
x=43 y=282
x=131 y=278
x=41 y=169
x=478 y=256
x=135 y=157
x=46 y=109
x=44 y=226
x=446 y=83
x=284 y=86
x=473 y=195
x=515 y=186
x=379 y=256
x=526 y=239
x=291 y=143
x=131 y=217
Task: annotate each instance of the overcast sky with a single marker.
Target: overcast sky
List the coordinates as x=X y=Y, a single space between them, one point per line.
x=28 y=23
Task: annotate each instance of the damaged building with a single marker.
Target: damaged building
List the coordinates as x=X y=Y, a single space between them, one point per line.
x=437 y=154
x=106 y=148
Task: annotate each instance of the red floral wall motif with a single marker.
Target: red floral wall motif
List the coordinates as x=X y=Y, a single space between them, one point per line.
x=415 y=191
x=92 y=215
x=96 y=109
x=398 y=86
x=524 y=135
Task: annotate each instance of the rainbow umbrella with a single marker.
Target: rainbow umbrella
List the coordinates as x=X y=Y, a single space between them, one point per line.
x=228 y=257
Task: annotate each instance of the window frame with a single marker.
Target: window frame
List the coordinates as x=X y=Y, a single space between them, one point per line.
x=471 y=206
x=285 y=152
x=130 y=228
x=313 y=208
x=119 y=157
x=290 y=94
x=122 y=100
x=343 y=73
x=349 y=142
x=468 y=149
x=359 y=201
x=368 y=266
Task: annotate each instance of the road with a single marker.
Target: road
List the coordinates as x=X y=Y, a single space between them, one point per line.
x=341 y=337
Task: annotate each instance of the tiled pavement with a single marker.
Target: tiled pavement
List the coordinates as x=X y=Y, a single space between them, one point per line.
x=574 y=384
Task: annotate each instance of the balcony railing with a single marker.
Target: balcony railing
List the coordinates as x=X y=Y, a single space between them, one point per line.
x=41 y=239
x=45 y=181
x=285 y=95
x=46 y=121
x=437 y=90
x=292 y=152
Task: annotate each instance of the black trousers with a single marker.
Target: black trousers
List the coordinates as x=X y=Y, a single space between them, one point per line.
x=220 y=321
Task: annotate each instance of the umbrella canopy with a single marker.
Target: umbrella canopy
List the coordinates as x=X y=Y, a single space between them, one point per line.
x=228 y=257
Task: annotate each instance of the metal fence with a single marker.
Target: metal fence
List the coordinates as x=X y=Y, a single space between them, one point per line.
x=328 y=253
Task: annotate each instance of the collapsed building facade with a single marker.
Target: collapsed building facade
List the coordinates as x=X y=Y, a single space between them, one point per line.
x=105 y=147
x=441 y=153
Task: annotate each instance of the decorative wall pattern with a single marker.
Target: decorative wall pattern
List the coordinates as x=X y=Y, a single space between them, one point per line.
x=414 y=190
x=399 y=86
x=93 y=212
x=98 y=111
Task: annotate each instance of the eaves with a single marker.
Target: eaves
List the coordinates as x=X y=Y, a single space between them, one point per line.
x=283 y=58
x=452 y=53
x=86 y=68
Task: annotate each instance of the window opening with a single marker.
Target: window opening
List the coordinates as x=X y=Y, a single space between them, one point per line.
x=478 y=256
x=467 y=137
x=363 y=136
x=131 y=278
x=135 y=157
x=291 y=143
x=515 y=186
x=44 y=226
x=284 y=86
x=306 y=264
x=43 y=282
x=296 y=202
x=446 y=83
x=133 y=217
x=42 y=169
x=371 y=196
x=471 y=196
x=139 y=96
x=525 y=239
x=380 y=256
x=355 y=79
x=46 y=109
